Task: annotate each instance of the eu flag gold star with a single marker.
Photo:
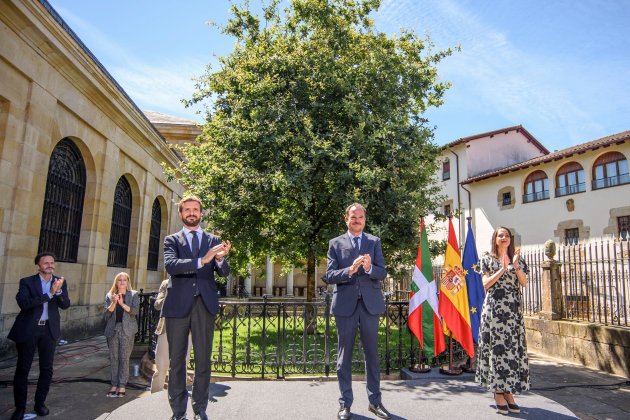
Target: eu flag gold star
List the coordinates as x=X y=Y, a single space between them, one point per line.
x=473 y=310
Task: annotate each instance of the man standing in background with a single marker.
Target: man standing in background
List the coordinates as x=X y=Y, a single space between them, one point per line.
x=37 y=327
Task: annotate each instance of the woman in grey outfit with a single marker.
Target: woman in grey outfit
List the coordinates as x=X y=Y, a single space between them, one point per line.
x=121 y=308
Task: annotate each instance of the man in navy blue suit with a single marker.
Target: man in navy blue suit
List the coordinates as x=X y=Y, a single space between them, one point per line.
x=37 y=327
x=191 y=256
x=356 y=267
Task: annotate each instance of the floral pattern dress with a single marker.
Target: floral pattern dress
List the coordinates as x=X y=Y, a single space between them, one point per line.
x=502 y=363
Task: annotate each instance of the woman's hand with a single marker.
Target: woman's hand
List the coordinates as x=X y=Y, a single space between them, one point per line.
x=505 y=263
x=517 y=259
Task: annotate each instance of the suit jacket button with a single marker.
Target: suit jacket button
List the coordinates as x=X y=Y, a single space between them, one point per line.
x=194 y=284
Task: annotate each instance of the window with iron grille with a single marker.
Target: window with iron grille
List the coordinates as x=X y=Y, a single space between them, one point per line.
x=623 y=223
x=507 y=198
x=571 y=236
x=447 y=209
x=121 y=223
x=63 y=203
x=154 y=236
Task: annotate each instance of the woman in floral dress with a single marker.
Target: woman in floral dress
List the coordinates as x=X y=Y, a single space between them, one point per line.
x=502 y=365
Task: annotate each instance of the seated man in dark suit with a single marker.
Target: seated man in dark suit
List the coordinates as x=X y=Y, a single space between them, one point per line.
x=356 y=267
x=37 y=327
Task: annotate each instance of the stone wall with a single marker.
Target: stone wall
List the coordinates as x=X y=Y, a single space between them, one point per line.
x=77 y=322
x=596 y=346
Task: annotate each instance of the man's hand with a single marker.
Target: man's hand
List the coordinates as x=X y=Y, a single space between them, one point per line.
x=356 y=264
x=56 y=286
x=226 y=247
x=367 y=262
x=218 y=251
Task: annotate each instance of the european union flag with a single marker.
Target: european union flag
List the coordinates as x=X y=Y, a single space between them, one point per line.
x=474 y=285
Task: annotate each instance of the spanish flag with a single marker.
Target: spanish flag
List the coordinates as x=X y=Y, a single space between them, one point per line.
x=453 y=305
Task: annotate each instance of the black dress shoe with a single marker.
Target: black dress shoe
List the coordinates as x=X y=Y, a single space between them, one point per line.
x=41 y=410
x=380 y=411
x=178 y=417
x=18 y=414
x=344 y=413
x=201 y=416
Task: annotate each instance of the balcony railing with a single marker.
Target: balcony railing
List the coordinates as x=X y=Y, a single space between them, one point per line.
x=537 y=196
x=611 y=181
x=571 y=189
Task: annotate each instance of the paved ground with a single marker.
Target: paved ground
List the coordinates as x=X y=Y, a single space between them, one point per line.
x=560 y=391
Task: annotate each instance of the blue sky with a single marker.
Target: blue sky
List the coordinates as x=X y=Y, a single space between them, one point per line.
x=561 y=68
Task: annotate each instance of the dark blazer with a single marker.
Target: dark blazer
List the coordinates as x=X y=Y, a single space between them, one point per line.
x=129 y=320
x=184 y=275
x=341 y=254
x=30 y=299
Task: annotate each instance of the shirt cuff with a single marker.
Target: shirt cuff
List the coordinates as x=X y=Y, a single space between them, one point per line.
x=219 y=263
x=199 y=264
x=369 y=272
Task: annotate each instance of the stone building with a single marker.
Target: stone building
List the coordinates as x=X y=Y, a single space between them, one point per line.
x=81 y=169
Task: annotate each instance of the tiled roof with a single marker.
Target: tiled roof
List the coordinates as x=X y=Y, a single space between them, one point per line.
x=159 y=118
x=618 y=138
x=518 y=128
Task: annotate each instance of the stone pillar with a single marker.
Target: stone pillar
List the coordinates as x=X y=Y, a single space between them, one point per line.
x=247 y=282
x=269 y=277
x=290 y=282
x=551 y=291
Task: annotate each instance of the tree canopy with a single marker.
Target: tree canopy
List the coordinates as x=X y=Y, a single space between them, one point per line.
x=315 y=109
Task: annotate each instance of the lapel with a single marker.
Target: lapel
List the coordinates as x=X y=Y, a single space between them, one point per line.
x=364 y=245
x=38 y=285
x=204 y=244
x=350 y=244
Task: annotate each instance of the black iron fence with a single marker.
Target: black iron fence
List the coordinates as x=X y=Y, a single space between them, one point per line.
x=595 y=276
x=269 y=339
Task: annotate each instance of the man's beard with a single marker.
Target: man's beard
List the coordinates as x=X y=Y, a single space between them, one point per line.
x=191 y=224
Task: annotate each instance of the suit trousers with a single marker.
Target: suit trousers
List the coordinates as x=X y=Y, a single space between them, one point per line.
x=162 y=362
x=200 y=323
x=346 y=334
x=45 y=345
x=120 y=348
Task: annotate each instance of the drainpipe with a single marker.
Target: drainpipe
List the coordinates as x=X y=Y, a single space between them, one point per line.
x=461 y=225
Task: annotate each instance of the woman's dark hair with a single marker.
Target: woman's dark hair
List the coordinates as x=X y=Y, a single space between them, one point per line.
x=493 y=244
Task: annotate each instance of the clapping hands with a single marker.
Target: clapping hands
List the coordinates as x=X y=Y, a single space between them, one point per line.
x=364 y=261
x=218 y=252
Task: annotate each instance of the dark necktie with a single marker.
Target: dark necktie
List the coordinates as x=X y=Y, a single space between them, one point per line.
x=194 y=243
x=356 y=243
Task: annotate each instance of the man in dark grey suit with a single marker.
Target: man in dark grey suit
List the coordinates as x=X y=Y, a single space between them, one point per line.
x=191 y=256
x=356 y=268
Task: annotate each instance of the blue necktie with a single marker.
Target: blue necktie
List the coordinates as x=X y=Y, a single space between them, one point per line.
x=194 y=243
x=356 y=243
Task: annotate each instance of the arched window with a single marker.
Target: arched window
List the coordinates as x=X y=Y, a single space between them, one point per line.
x=63 y=203
x=536 y=187
x=154 y=236
x=610 y=169
x=121 y=222
x=446 y=169
x=570 y=179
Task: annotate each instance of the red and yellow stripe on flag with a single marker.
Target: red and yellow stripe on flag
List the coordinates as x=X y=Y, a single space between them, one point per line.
x=453 y=305
x=424 y=320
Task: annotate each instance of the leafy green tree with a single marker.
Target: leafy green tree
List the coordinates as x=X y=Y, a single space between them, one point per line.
x=314 y=109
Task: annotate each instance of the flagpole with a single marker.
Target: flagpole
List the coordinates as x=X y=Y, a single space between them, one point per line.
x=420 y=367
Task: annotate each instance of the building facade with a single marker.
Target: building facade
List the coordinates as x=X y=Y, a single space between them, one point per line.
x=569 y=195
x=81 y=170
